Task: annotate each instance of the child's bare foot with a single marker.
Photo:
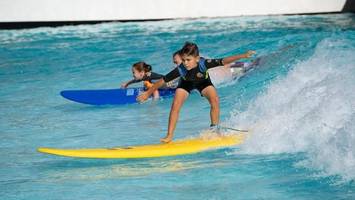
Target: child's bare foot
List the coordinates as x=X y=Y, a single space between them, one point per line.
x=167 y=139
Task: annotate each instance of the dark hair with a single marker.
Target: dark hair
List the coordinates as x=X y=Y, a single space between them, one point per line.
x=189 y=49
x=142 y=66
x=178 y=52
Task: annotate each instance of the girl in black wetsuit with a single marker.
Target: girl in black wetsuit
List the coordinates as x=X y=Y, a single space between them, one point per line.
x=194 y=75
x=141 y=71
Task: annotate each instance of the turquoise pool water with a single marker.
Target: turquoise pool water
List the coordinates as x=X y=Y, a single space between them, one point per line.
x=299 y=105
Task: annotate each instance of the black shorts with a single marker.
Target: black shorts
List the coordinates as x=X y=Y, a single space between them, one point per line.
x=190 y=85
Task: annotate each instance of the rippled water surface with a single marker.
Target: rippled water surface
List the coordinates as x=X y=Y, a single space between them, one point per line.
x=299 y=105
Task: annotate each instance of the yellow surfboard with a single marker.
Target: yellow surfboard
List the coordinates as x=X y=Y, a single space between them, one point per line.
x=179 y=147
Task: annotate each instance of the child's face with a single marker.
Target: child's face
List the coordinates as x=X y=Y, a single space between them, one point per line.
x=190 y=61
x=137 y=75
x=177 y=59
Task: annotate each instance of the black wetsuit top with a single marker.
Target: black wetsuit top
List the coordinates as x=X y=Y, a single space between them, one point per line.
x=194 y=78
x=153 y=76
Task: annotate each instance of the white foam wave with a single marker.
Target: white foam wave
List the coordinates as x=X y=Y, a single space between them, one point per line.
x=311 y=110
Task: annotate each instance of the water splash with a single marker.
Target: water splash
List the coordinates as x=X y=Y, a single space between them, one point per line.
x=311 y=110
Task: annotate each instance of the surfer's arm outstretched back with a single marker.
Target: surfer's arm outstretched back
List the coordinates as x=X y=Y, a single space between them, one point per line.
x=230 y=59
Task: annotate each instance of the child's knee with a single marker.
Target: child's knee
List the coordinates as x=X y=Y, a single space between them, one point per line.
x=156 y=94
x=214 y=101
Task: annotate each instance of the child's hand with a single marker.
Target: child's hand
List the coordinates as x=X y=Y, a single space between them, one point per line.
x=124 y=85
x=249 y=53
x=143 y=97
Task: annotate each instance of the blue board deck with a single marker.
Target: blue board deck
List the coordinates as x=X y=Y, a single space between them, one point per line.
x=110 y=96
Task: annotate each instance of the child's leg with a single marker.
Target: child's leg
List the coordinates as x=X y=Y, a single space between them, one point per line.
x=211 y=94
x=156 y=94
x=179 y=99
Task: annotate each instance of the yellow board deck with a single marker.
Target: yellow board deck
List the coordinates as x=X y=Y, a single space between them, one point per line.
x=178 y=147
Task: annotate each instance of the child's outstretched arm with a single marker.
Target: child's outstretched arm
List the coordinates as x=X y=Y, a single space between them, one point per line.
x=145 y=95
x=126 y=84
x=230 y=59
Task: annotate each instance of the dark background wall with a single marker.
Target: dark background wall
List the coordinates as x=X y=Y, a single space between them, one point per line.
x=349 y=6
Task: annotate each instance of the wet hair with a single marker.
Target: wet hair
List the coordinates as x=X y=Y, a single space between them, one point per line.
x=190 y=49
x=142 y=66
x=178 y=52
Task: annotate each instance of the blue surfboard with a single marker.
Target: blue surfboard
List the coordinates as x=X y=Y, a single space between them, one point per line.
x=110 y=96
